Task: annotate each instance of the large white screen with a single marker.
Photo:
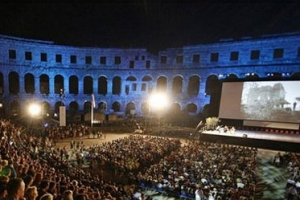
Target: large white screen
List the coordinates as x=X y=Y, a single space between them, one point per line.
x=276 y=101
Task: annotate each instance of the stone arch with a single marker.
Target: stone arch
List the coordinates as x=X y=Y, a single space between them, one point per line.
x=73 y=107
x=14 y=83
x=74 y=111
x=116 y=107
x=87 y=111
x=231 y=77
x=214 y=88
x=29 y=83
x=147 y=84
x=58 y=84
x=161 y=84
x=102 y=85
x=130 y=78
x=102 y=106
x=44 y=84
x=211 y=84
x=194 y=85
x=87 y=107
x=192 y=108
x=132 y=84
x=88 y=85
x=147 y=78
x=73 y=84
x=130 y=109
x=117 y=85
x=177 y=85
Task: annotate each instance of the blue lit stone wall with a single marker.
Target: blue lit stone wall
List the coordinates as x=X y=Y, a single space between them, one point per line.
x=278 y=58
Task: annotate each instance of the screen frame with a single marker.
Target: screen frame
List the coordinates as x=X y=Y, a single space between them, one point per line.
x=231 y=101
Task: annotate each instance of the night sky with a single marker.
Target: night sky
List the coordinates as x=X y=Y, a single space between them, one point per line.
x=142 y=24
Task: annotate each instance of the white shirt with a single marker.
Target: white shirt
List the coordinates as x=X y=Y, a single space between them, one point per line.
x=198 y=194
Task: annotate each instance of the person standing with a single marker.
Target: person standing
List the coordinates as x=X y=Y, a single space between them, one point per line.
x=294 y=106
x=31 y=193
x=292 y=192
x=67 y=195
x=15 y=189
x=199 y=194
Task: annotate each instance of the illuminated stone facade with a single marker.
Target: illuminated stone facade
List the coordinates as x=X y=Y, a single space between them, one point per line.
x=122 y=79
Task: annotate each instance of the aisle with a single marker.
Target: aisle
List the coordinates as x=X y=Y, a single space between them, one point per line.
x=91 y=141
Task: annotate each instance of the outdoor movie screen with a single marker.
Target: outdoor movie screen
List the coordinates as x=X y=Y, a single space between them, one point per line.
x=276 y=101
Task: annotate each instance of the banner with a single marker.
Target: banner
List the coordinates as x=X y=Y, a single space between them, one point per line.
x=93 y=101
x=62 y=115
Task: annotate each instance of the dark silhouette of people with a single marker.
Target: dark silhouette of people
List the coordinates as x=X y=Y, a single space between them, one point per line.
x=294 y=105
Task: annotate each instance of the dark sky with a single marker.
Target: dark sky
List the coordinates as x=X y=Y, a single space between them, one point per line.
x=142 y=24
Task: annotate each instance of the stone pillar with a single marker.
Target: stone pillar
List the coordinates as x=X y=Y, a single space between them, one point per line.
x=22 y=85
x=80 y=86
x=37 y=85
x=109 y=86
x=185 y=84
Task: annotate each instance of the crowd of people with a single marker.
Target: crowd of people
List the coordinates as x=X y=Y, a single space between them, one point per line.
x=216 y=170
x=32 y=167
x=291 y=163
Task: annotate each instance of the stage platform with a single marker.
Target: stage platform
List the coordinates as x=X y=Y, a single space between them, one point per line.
x=259 y=139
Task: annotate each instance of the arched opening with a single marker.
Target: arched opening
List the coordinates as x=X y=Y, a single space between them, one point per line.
x=73 y=85
x=177 y=85
x=58 y=84
x=88 y=85
x=161 y=85
x=102 y=85
x=193 y=85
x=14 y=83
x=116 y=107
x=116 y=87
x=44 y=84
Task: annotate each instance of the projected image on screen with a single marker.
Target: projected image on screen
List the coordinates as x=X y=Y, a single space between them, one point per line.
x=277 y=101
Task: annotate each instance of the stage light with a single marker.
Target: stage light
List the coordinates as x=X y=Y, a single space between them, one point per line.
x=158 y=104
x=34 y=110
x=158 y=101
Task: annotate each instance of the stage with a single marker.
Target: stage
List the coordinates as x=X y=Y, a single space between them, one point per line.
x=259 y=139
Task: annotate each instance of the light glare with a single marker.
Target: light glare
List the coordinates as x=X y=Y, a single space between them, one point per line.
x=34 y=109
x=158 y=101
